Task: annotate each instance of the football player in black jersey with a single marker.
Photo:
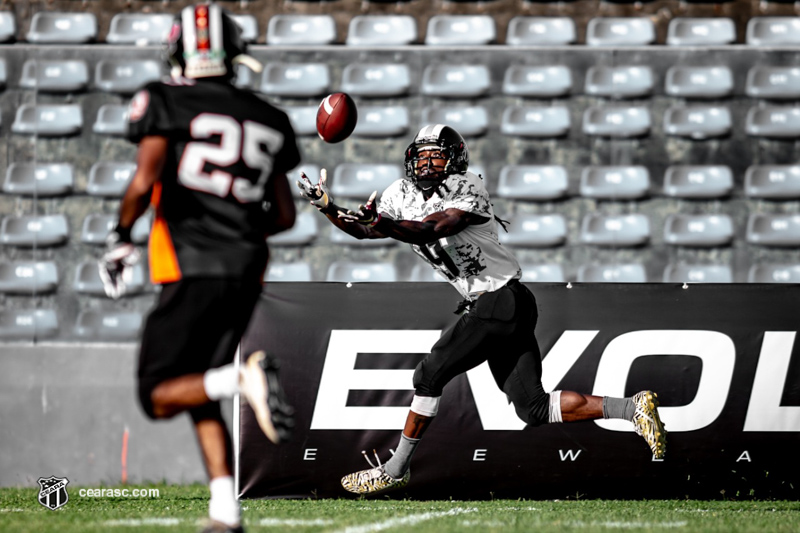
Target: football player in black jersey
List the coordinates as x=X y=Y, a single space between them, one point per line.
x=212 y=160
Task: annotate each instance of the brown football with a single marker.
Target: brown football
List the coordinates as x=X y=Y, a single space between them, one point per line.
x=336 y=117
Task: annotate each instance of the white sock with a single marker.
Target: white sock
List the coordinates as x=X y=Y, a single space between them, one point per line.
x=222 y=382
x=223 y=506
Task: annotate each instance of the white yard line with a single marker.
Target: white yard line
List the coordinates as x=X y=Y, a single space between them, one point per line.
x=627 y=525
x=404 y=521
x=135 y=522
x=291 y=522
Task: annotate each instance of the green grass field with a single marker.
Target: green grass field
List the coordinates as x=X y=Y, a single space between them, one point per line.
x=182 y=509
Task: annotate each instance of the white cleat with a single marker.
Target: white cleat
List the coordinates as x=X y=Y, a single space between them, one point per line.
x=259 y=385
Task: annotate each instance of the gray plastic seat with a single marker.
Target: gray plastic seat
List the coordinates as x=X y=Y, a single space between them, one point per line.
x=620 y=31
x=245 y=78
x=139 y=28
x=49 y=27
x=303 y=233
x=311 y=170
x=685 y=273
x=31 y=230
x=456 y=81
x=621 y=122
x=54 y=76
x=615 y=182
x=773 y=273
x=8 y=26
x=698 y=122
x=110 y=178
x=449 y=30
x=619 y=81
x=542 y=273
x=126 y=76
x=772 y=182
x=297 y=271
x=699 y=82
x=87 y=279
x=382 y=30
x=703 y=230
x=28 y=324
x=42 y=179
x=303 y=119
x=108 y=325
x=112 y=119
x=3 y=73
x=423 y=273
x=249 y=25
x=376 y=79
x=97 y=226
x=773 y=229
x=776 y=83
x=382 y=121
x=356 y=272
x=297 y=80
x=28 y=277
x=469 y=121
x=698 y=181
x=340 y=238
x=535 y=121
x=532 y=182
x=535 y=231
x=537 y=81
x=294 y=30
x=773 y=121
x=358 y=180
x=615 y=230
x=48 y=120
x=540 y=31
x=687 y=31
x=773 y=31
x=620 y=273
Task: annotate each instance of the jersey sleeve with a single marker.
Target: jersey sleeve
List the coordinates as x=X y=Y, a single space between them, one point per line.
x=469 y=194
x=390 y=201
x=148 y=114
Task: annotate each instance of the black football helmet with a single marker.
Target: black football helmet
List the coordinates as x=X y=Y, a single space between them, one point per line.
x=442 y=138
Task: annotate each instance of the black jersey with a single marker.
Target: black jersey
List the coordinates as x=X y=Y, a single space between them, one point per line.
x=225 y=144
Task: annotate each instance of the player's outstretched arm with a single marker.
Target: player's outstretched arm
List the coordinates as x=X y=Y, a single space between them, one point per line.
x=432 y=228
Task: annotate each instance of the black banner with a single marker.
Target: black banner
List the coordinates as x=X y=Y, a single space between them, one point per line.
x=722 y=358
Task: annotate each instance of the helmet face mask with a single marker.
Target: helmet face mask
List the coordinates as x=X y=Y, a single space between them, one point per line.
x=437 y=152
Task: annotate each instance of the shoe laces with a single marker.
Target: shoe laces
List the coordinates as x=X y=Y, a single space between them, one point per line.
x=376 y=470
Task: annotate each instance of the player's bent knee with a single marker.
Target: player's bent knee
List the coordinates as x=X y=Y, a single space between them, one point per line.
x=536 y=412
x=146 y=401
x=424 y=384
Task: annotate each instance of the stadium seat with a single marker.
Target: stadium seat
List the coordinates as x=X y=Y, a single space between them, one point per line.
x=303 y=233
x=621 y=273
x=469 y=121
x=303 y=119
x=54 y=76
x=49 y=27
x=249 y=25
x=773 y=273
x=382 y=30
x=8 y=26
x=245 y=78
x=297 y=271
x=620 y=31
x=340 y=238
x=110 y=178
x=423 y=272
x=685 y=273
x=686 y=31
x=139 y=28
x=773 y=31
x=376 y=80
x=96 y=228
x=704 y=231
x=542 y=273
x=698 y=181
x=615 y=182
x=621 y=122
x=358 y=180
x=311 y=170
x=456 y=81
x=772 y=182
x=28 y=277
x=108 y=325
x=533 y=182
x=540 y=31
x=535 y=121
x=697 y=122
x=349 y=271
x=39 y=179
x=126 y=76
x=535 y=231
x=537 y=82
x=450 y=30
x=773 y=122
x=296 y=80
x=3 y=73
x=699 y=82
x=87 y=279
x=28 y=324
x=774 y=83
x=112 y=119
x=32 y=230
x=615 y=230
x=295 y=30
x=48 y=120
x=773 y=229
x=619 y=81
x=382 y=121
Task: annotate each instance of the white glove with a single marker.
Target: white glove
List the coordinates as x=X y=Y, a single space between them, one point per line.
x=319 y=195
x=366 y=214
x=116 y=265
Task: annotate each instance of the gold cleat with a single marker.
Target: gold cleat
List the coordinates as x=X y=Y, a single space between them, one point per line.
x=647 y=423
x=373 y=480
